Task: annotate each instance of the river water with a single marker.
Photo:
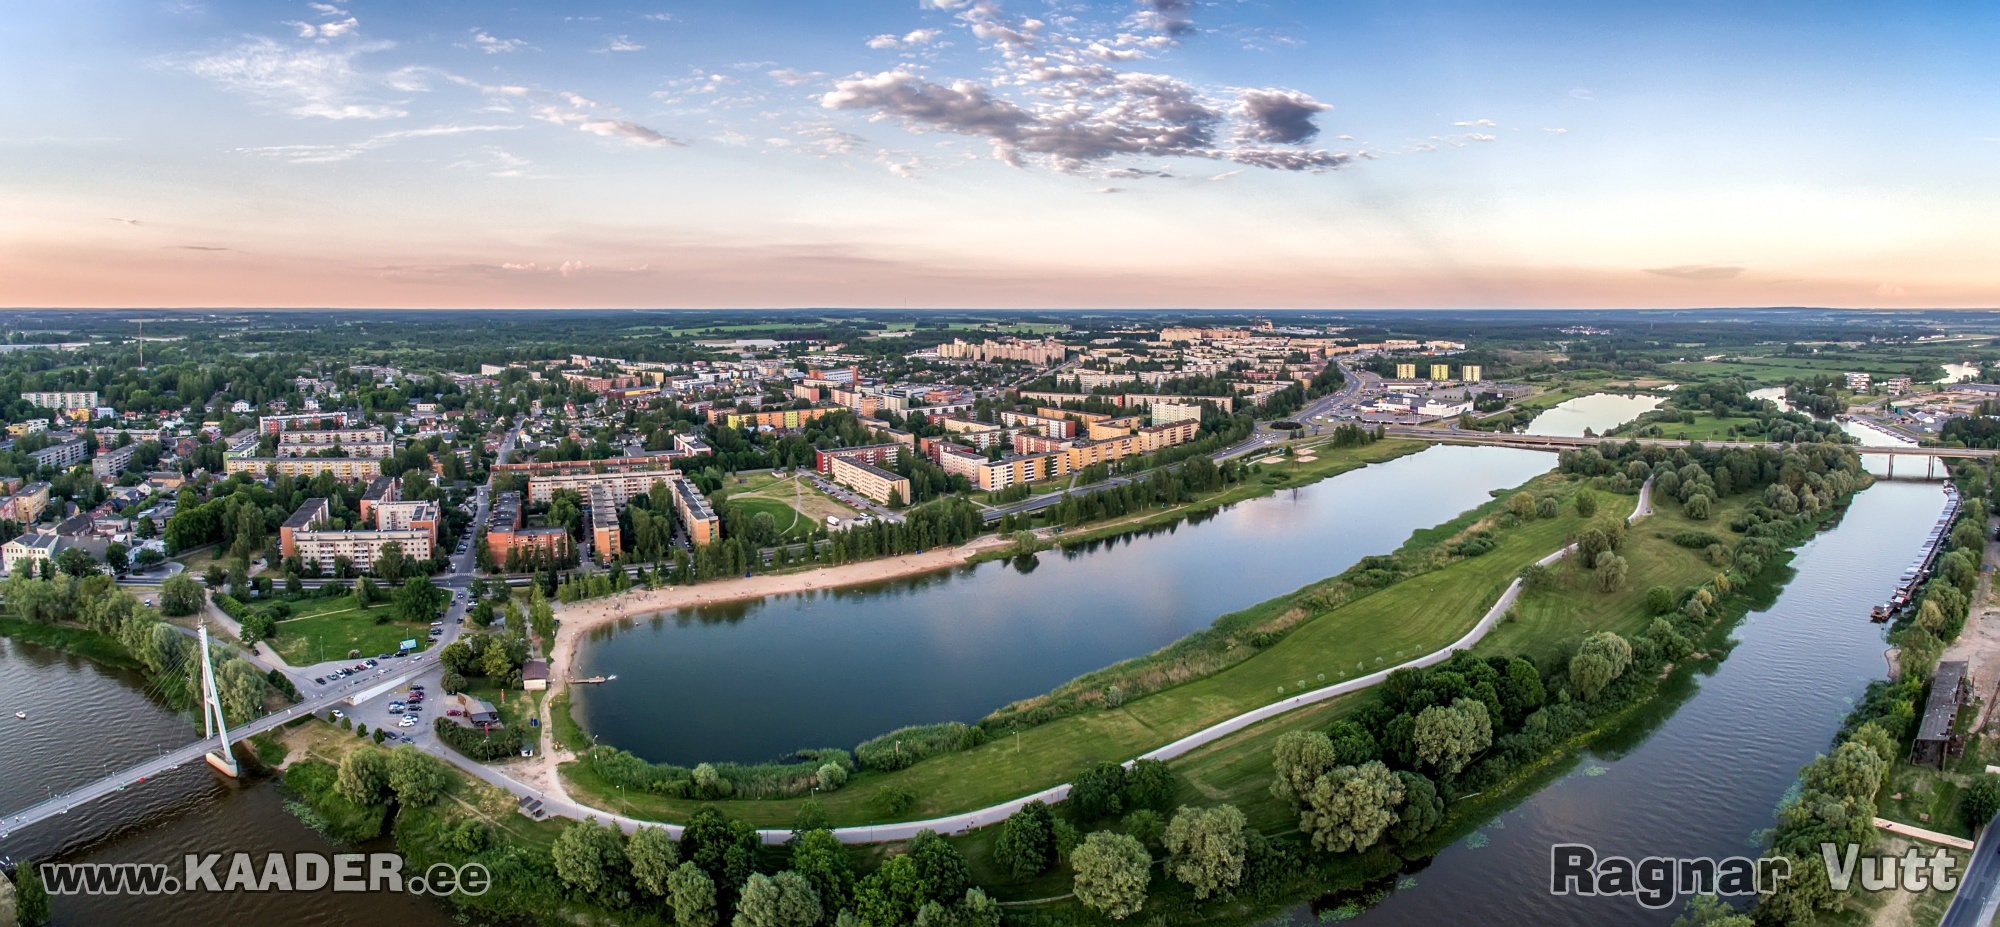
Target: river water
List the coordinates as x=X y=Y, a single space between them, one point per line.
x=84 y=721
x=1595 y=412
x=752 y=681
x=1708 y=780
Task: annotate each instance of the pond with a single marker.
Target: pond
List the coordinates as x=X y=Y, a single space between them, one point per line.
x=1596 y=412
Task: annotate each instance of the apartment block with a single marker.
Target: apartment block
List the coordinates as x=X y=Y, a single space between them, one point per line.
x=73 y=399
x=342 y=468
x=26 y=505
x=605 y=536
x=380 y=489
x=1167 y=413
x=1858 y=382
x=62 y=456
x=697 y=516
x=24 y=555
x=1049 y=425
x=505 y=534
x=623 y=485
x=300 y=536
x=781 y=419
x=279 y=424
x=1406 y=371
x=1440 y=371
x=871 y=481
x=355 y=442
x=1472 y=373
x=866 y=453
x=108 y=464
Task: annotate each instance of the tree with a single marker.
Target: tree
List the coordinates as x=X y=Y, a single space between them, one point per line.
x=940 y=868
x=1098 y=792
x=147 y=558
x=418 y=601
x=784 y=900
x=115 y=557
x=1149 y=784
x=1300 y=758
x=724 y=848
x=1711 y=911
x=818 y=855
x=1598 y=663
x=1982 y=800
x=1586 y=503
x=1027 y=843
x=366 y=593
x=1349 y=807
x=1112 y=871
x=1659 y=600
x=1611 y=570
x=416 y=777
x=364 y=773
x=1448 y=738
x=390 y=562
x=1697 y=507
x=1422 y=810
x=31 y=897
x=1207 y=846
x=590 y=857
x=75 y=562
x=1521 y=690
x=692 y=895
x=180 y=595
x=653 y=857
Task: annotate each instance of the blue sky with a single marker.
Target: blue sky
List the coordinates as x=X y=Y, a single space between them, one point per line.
x=958 y=153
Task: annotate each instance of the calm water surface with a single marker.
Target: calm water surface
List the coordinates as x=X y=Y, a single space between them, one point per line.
x=1710 y=778
x=1597 y=412
x=756 y=680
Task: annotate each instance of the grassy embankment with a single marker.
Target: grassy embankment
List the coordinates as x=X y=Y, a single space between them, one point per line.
x=1366 y=633
x=327 y=629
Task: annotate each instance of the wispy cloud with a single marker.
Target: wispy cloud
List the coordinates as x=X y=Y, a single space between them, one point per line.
x=629 y=131
x=1699 y=271
x=495 y=46
x=623 y=44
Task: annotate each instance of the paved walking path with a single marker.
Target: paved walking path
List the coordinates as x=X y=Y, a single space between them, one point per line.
x=960 y=823
x=1910 y=830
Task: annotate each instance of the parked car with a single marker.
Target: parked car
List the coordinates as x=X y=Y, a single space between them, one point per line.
x=418 y=687
x=453 y=712
x=372 y=663
x=319 y=680
x=336 y=714
x=407 y=722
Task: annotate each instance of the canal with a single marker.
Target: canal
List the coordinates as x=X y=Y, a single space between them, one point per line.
x=750 y=681
x=1708 y=780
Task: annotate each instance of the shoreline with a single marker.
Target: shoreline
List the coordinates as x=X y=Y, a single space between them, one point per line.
x=578 y=618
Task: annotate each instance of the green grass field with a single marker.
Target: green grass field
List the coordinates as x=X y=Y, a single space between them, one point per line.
x=328 y=629
x=1389 y=626
x=793 y=503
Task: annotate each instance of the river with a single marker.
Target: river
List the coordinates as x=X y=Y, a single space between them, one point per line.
x=834 y=668
x=1595 y=413
x=1708 y=780
x=85 y=720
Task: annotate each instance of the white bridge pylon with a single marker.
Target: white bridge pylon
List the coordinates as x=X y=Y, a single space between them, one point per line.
x=212 y=723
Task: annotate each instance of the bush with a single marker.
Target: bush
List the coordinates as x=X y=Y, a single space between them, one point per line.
x=896 y=800
x=1696 y=540
x=900 y=748
x=488 y=745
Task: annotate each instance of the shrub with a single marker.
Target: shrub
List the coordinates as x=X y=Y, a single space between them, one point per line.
x=900 y=748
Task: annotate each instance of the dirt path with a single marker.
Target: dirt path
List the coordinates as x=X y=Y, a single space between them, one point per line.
x=1979 y=643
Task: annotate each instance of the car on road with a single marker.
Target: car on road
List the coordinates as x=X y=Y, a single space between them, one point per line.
x=372 y=663
x=407 y=722
x=336 y=714
x=395 y=708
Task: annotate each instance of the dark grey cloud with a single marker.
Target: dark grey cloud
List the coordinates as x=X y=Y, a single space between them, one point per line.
x=1282 y=116
x=1699 y=271
x=1167 y=17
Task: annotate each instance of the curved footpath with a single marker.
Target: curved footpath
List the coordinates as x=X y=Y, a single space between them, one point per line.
x=960 y=823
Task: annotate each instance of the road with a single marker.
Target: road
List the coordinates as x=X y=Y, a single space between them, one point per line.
x=1978 y=897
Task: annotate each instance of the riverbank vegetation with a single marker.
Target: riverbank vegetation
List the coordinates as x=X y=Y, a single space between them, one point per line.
x=1722 y=409
x=94 y=618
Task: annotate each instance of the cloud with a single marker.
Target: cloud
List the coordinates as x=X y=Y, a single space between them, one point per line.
x=1225 y=175
x=1891 y=291
x=908 y=40
x=196 y=248
x=791 y=78
x=328 y=154
x=1476 y=122
x=658 y=17
x=1557 y=131
x=1582 y=94
x=126 y=221
x=311 y=81
x=494 y=46
x=1699 y=271
x=342 y=24
x=1282 y=116
x=1109 y=190
x=1167 y=17
x=629 y=131
x=624 y=44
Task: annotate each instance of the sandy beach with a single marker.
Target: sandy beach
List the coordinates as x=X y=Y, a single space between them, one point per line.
x=581 y=617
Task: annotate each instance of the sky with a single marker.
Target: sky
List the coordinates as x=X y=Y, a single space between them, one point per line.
x=999 y=153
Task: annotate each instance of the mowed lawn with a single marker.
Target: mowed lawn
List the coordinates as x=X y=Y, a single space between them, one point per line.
x=327 y=629
x=1413 y=617
x=793 y=504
